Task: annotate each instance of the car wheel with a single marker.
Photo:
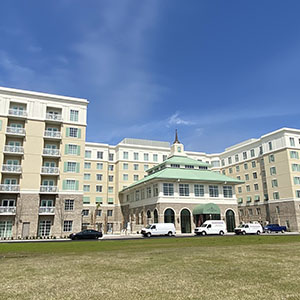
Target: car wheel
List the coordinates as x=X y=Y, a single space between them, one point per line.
x=243 y=232
x=170 y=233
x=148 y=234
x=258 y=232
x=203 y=233
x=269 y=231
x=221 y=232
x=282 y=231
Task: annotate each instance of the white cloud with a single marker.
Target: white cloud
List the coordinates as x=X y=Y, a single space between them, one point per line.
x=176 y=120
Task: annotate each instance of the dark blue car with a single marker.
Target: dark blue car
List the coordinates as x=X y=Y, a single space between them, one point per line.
x=86 y=234
x=275 y=228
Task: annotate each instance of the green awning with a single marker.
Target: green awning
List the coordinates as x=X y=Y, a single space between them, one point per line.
x=207 y=209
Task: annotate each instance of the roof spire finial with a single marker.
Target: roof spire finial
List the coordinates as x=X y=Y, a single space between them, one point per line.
x=176 y=138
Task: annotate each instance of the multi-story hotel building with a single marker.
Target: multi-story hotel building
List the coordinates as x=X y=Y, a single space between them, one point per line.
x=53 y=182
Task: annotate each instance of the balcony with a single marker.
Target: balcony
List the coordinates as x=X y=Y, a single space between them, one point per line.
x=16 y=150
x=53 y=117
x=7 y=210
x=52 y=134
x=19 y=113
x=46 y=210
x=51 y=152
x=15 y=131
x=50 y=171
x=9 y=188
x=15 y=169
x=46 y=189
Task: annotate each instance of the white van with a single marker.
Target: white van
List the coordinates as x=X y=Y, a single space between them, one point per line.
x=249 y=228
x=158 y=229
x=211 y=227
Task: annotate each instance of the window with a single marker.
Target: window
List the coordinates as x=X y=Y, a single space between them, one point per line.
x=261 y=151
x=99 y=188
x=240 y=200
x=125 y=177
x=271 y=158
x=254 y=175
x=69 y=204
x=111 y=156
x=292 y=142
x=223 y=162
x=110 y=178
x=143 y=194
x=253 y=164
x=256 y=198
x=87 y=165
x=297 y=180
x=86 y=200
x=236 y=157
x=68 y=225
x=184 y=190
x=272 y=170
x=238 y=177
x=155 y=190
x=244 y=155
x=237 y=168
x=199 y=190
x=73 y=132
x=168 y=189
x=98 y=212
x=298 y=194
x=99 y=177
x=270 y=146
x=230 y=170
x=88 y=154
x=135 y=156
x=241 y=212
x=135 y=177
x=256 y=186
x=229 y=160
x=223 y=172
x=86 y=187
x=249 y=199
x=250 y=211
x=146 y=156
x=110 y=201
x=74 y=115
x=137 y=195
x=148 y=192
x=246 y=176
x=125 y=166
x=71 y=185
x=146 y=167
x=275 y=195
x=164 y=157
x=109 y=213
x=227 y=191
x=87 y=176
x=99 y=155
x=258 y=211
x=99 y=200
x=125 y=155
x=85 y=212
x=239 y=189
x=213 y=191
x=135 y=167
x=294 y=154
x=72 y=149
x=110 y=167
x=99 y=166
x=246 y=166
x=295 y=167
x=71 y=167
x=274 y=183
x=110 y=189
x=252 y=152
x=248 y=188
x=155 y=157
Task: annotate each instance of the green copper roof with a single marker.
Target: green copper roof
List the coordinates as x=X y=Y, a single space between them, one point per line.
x=207 y=209
x=189 y=175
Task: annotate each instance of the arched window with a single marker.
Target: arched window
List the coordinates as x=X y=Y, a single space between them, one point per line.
x=155 y=214
x=169 y=216
x=148 y=214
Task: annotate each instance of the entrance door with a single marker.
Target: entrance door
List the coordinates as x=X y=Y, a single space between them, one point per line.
x=185 y=221
x=44 y=228
x=5 y=229
x=25 y=229
x=230 y=220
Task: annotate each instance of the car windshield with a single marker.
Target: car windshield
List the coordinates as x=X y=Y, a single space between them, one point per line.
x=241 y=226
x=148 y=226
x=203 y=225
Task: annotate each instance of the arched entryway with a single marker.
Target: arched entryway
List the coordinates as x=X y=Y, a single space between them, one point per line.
x=208 y=211
x=155 y=216
x=230 y=220
x=185 y=221
x=169 y=216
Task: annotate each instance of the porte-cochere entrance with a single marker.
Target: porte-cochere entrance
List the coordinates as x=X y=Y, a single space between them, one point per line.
x=203 y=212
x=185 y=221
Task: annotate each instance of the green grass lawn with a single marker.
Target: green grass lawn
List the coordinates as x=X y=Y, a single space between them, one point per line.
x=244 y=267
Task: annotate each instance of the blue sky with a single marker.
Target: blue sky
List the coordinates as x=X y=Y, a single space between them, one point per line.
x=219 y=71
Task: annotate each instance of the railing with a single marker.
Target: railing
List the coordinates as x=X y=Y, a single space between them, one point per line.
x=48 y=189
x=12 y=168
x=53 y=117
x=52 y=134
x=50 y=170
x=51 y=152
x=15 y=130
x=17 y=112
x=10 y=210
x=9 y=188
x=46 y=210
x=13 y=149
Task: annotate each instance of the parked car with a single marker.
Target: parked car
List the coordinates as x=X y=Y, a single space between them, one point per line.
x=211 y=227
x=249 y=228
x=158 y=229
x=275 y=228
x=86 y=234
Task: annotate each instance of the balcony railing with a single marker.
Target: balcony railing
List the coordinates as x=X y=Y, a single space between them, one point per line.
x=15 y=131
x=54 y=117
x=50 y=170
x=17 y=112
x=9 y=188
x=47 y=210
x=7 y=210
x=48 y=189
x=52 y=134
x=14 y=149
x=51 y=152
x=11 y=168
